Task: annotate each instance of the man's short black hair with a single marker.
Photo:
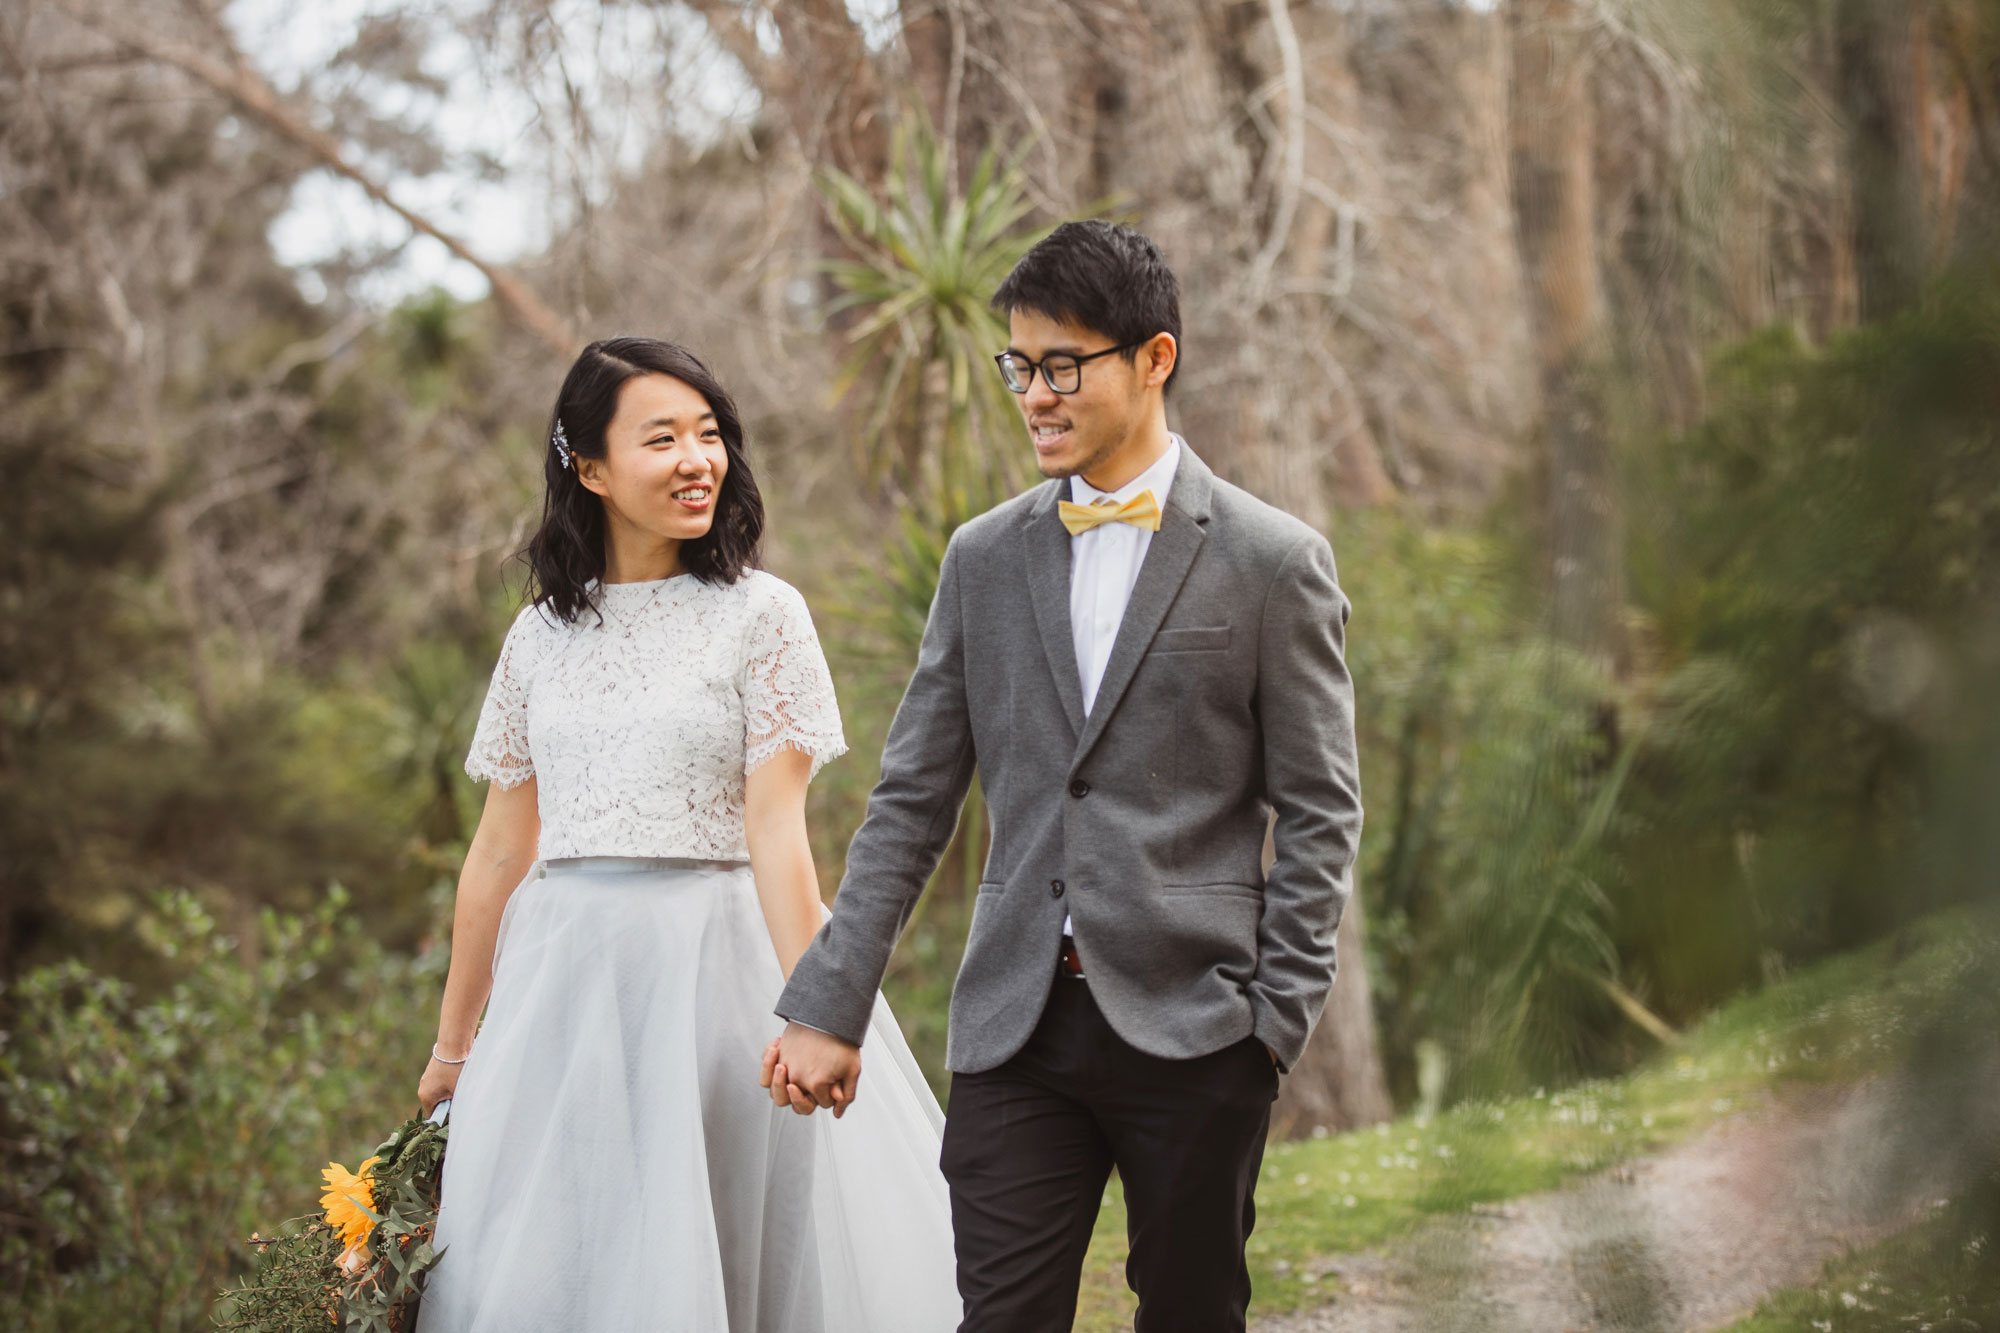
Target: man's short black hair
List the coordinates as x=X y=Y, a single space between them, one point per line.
x=1103 y=276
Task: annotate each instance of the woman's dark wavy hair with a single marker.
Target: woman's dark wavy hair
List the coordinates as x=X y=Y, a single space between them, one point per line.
x=567 y=553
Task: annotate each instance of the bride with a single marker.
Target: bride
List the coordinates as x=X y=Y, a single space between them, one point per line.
x=638 y=890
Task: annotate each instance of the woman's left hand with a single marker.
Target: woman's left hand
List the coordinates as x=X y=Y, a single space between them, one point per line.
x=440 y=1081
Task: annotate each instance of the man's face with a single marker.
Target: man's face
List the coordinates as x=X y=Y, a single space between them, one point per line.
x=1077 y=432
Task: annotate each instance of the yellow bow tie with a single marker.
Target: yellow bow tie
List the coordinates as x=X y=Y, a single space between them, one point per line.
x=1141 y=511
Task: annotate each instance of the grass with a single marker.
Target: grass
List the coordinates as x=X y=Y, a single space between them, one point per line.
x=1835 y=1021
x=1941 y=1274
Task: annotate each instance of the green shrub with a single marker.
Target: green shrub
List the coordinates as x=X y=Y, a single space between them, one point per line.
x=1561 y=863
x=142 y=1140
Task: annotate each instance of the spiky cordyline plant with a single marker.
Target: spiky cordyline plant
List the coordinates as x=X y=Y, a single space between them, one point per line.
x=936 y=422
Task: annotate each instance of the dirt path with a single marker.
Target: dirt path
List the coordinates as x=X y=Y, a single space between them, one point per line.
x=1687 y=1240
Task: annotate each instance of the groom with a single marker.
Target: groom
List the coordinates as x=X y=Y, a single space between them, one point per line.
x=1142 y=663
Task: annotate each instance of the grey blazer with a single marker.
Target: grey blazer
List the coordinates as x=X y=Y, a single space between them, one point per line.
x=1225 y=697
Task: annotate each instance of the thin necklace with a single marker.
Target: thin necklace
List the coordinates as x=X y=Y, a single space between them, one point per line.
x=621 y=618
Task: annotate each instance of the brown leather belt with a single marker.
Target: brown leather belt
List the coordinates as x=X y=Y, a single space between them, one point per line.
x=1069 y=963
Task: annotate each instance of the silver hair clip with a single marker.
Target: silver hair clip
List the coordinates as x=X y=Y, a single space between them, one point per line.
x=561 y=441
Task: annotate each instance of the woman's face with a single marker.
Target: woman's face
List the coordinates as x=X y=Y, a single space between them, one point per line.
x=663 y=462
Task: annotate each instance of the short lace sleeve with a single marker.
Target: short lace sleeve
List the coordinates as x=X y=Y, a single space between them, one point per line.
x=500 y=744
x=788 y=697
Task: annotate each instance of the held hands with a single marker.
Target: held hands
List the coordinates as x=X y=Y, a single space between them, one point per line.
x=807 y=1069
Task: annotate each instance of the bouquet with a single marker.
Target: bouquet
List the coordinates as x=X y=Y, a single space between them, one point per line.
x=360 y=1264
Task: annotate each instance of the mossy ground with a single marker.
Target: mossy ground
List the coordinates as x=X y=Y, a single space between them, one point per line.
x=1839 y=1020
x=1942 y=1274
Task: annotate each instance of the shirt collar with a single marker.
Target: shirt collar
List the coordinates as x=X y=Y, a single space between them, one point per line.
x=1159 y=479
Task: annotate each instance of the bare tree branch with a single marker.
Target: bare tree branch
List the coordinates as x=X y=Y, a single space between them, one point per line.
x=1289 y=183
x=249 y=90
x=725 y=22
x=955 y=90
x=1036 y=123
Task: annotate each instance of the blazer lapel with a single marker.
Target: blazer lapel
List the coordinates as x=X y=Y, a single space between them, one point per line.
x=1169 y=556
x=1048 y=588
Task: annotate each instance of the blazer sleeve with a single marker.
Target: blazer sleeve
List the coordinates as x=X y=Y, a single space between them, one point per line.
x=927 y=766
x=1311 y=777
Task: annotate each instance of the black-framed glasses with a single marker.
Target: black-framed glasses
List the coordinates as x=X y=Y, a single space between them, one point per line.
x=1061 y=371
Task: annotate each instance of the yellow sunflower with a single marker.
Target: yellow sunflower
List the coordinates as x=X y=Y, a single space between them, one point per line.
x=348 y=1200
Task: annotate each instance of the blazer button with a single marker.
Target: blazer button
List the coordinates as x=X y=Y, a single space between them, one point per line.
x=1055 y=888
x=1079 y=789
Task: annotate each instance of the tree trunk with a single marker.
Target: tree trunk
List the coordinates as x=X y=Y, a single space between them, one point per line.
x=1339 y=1084
x=822 y=83
x=1555 y=201
x=1884 y=92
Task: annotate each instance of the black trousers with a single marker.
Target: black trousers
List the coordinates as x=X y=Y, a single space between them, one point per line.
x=1029 y=1146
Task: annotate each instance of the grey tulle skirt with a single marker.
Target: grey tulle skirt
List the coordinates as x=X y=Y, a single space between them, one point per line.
x=613 y=1164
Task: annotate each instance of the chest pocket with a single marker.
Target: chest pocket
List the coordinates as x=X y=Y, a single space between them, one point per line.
x=1204 y=639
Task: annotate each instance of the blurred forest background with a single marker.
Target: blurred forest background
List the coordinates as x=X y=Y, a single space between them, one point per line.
x=1641 y=359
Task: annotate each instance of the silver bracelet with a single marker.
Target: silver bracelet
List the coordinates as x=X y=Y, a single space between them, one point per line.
x=441 y=1060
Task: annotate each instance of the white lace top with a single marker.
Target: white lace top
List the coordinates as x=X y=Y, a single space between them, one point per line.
x=639 y=731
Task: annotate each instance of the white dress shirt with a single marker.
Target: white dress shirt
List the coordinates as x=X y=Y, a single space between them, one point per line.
x=1103 y=567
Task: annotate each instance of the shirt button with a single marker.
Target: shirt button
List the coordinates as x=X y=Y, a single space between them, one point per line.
x=1055 y=888
x=1079 y=789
